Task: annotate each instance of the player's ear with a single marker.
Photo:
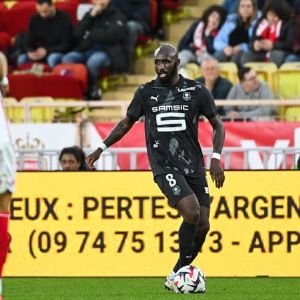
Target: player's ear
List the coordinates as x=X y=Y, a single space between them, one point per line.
x=177 y=61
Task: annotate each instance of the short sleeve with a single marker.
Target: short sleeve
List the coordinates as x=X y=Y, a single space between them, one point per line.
x=136 y=109
x=208 y=106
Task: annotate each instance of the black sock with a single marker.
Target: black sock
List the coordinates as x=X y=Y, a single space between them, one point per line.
x=186 y=244
x=198 y=243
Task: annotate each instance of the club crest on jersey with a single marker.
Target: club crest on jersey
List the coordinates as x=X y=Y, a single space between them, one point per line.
x=176 y=190
x=154 y=98
x=187 y=96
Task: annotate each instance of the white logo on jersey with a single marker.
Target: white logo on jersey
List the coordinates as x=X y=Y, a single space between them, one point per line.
x=191 y=88
x=156 y=144
x=176 y=120
x=154 y=98
x=175 y=107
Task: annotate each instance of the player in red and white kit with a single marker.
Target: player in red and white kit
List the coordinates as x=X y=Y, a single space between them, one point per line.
x=7 y=182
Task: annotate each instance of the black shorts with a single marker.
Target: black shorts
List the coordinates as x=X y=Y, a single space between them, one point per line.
x=176 y=186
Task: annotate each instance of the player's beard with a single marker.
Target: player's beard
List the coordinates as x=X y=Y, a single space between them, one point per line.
x=170 y=75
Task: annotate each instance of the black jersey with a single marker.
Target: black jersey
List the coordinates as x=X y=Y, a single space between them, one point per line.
x=171 y=123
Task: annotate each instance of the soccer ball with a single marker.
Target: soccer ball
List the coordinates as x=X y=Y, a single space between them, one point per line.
x=189 y=279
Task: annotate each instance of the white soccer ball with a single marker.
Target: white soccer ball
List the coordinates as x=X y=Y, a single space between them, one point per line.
x=189 y=279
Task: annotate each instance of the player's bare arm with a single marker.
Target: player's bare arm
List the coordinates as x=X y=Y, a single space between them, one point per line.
x=216 y=171
x=116 y=134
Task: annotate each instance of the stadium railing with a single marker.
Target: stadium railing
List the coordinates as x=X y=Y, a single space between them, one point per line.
x=123 y=104
x=47 y=160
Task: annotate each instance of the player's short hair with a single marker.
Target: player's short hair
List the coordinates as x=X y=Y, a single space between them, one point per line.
x=242 y=71
x=41 y=2
x=77 y=152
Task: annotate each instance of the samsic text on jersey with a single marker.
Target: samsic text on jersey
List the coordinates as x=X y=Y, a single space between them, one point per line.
x=171 y=123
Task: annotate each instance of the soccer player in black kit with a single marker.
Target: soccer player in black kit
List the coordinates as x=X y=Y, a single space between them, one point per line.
x=172 y=105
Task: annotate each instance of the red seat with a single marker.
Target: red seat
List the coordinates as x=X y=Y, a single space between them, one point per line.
x=57 y=86
x=76 y=71
x=69 y=7
x=3 y=11
x=171 y=5
x=53 y=85
x=22 y=85
x=17 y=18
x=5 y=41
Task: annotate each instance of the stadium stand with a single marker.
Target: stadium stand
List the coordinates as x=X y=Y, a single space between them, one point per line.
x=289 y=88
x=229 y=70
x=179 y=15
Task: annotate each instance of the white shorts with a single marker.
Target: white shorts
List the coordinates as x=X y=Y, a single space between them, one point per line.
x=7 y=168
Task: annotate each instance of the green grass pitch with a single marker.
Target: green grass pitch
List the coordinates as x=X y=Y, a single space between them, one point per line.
x=147 y=288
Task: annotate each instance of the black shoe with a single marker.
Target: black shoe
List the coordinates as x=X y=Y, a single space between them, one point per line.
x=94 y=94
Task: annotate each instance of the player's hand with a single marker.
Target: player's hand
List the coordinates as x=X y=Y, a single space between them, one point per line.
x=92 y=158
x=217 y=173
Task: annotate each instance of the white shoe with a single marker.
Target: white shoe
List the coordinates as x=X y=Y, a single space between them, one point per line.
x=169 y=282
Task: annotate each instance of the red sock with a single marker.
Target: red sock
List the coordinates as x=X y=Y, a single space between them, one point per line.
x=4 y=239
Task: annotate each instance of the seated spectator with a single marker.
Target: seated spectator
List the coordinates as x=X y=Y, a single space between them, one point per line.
x=101 y=42
x=72 y=159
x=296 y=43
x=231 y=5
x=4 y=84
x=197 y=43
x=138 y=13
x=217 y=85
x=49 y=35
x=159 y=29
x=249 y=88
x=295 y=6
x=273 y=35
x=234 y=37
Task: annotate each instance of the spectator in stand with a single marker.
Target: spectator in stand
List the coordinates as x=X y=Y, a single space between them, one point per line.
x=295 y=5
x=298 y=163
x=138 y=13
x=49 y=35
x=231 y=5
x=101 y=42
x=217 y=85
x=273 y=35
x=72 y=159
x=159 y=31
x=234 y=36
x=197 y=43
x=249 y=88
